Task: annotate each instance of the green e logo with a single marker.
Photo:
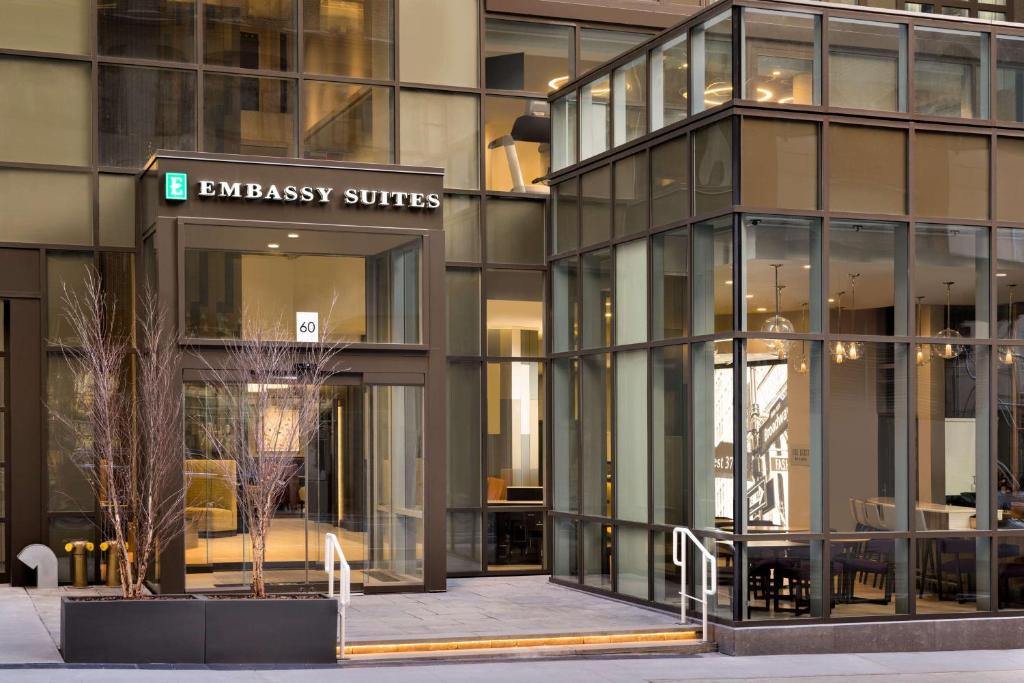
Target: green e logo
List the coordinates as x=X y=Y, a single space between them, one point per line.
x=176 y=186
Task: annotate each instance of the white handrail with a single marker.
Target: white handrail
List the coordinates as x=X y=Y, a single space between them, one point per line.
x=332 y=554
x=708 y=565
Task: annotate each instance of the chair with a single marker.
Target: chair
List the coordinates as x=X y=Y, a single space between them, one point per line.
x=211 y=502
x=873 y=517
x=497 y=489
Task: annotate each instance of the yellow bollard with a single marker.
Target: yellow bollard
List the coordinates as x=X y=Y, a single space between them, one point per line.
x=113 y=567
x=79 y=569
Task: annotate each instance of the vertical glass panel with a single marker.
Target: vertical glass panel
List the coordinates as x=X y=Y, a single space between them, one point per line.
x=517 y=134
x=779 y=167
x=781 y=54
x=65 y=272
x=1011 y=564
x=595 y=300
x=713 y=435
x=117 y=210
x=866 y=65
x=521 y=55
x=951 y=279
x=631 y=562
x=67 y=401
x=631 y=435
x=867 y=439
x=565 y=563
x=670 y=74
x=712 y=62
x=598 y=46
x=1009 y=278
x=713 y=276
x=566 y=211
x=347 y=122
x=117 y=275
x=463 y=542
x=464 y=435
x=515 y=312
x=348 y=39
x=783 y=579
x=631 y=292
x=442 y=130
x=868 y=262
x=250 y=35
x=869 y=577
x=670 y=182
x=953 y=575
x=595 y=118
x=951 y=175
x=31 y=214
x=246 y=115
x=950 y=73
x=670 y=391
x=782 y=275
x=565 y=457
x=1010 y=78
x=631 y=194
x=670 y=279
x=438 y=42
x=783 y=428
x=461 y=228
x=564 y=121
x=867 y=169
x=515 y=541
x=1009 y=168
x=1010 y=438
x=515 y=231
x=668 y=580
x=595 y=206
x=597 y=555
x=596 y=404
x=952 y=439
x=712 y=168
x=54 y=26
x=462 y=310
x=565 y=305
x=160 y=29
x=50 y=119
x=630 y=97
x=515 y=421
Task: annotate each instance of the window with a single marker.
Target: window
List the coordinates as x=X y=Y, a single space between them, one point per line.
x=348 y=39
x=56 y=26
x=564 y=121
x=951 y=175
x=250 y=34
x=867 y=169
x=631 y=185
x=117 y=210
x=783 y=270
x=463 y=434
x=247 y=115
x=517 y=135
x=712 y=62
x=950 y=73
x=951 y=278
x=867 y=63
x=1009 y=169
x=713 y=438
x=631 y=561
x=971 y=557
x=595 y=206
x=463 y=541
x=461 y=228
x=630 y=99
x=670 y=280
x=442 y=130
x=598 y=46
x=781 y=57
x=670 y=71
x=884 y=590
x=1010 y=78
x=565 y=304
x=565 y=564
x=520 y=55
x=712 y=168
x=515 y=312
x=669 y=415
x=595 y=300
x=670 y=188
x=347 y=122
x=779 y=168
x=1010 y=292
x=438 y=42
x=515 y=231
x=631 y=496
x=515 y=540
x=565 y=434
x=595 y=122
x=873 y=256
x=596 y=410
x=631 y=292
x=712 y=276
x=515 y=420
x=598 y=547
x=566 y=216
x=463 y=311
x=32 y=215
x=160 y=29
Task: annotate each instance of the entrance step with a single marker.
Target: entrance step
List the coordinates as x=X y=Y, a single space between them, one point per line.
x=677 y=641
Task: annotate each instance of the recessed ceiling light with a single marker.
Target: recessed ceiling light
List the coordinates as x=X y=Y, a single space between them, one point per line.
x=293 y=235
x=273 y=245
x=762 y=309
x=728 y=282
x=1000 y=274
x=750 y=296
x=807 y=266
x=831 y=301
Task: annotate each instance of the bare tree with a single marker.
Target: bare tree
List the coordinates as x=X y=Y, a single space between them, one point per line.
x=131 y=438
x=271 y=388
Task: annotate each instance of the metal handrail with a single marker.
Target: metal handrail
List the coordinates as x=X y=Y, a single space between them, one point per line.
x=334 y=554
x=708 y=565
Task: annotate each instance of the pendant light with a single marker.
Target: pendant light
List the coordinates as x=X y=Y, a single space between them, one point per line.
x=1007 y=354
x=854 y=349
x=801 y=362
x=777 y=324
x=949 y=348
x=839 y=349
x=922 y=349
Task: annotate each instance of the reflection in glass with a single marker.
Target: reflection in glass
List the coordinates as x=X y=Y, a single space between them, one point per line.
x=565 y=417
x=713 y=276
x=670 y=73
x=951 y=274
x=565 y=305
x=595 y=206
x=781 y=57
x=873 y=256
x=515 y=420
x=670 y=282
x=630 y=98
x=564 y=120
x=565 y=548
x=1010 y=439
x=669 y=410
x=869 y=577
x=347 y=122
x=1011 y=571
x=595 y=119
x=597 y=555
x=670 y=189
x=631 y=561
x=596 y=406
x=598 y=46
x=565 y=214
x=595 y=300
x=713 y=438
x=249 y=35
x=1010 y=78
x=950 y=73
x=515 y=541
x=463 y=414
x=631 y=292
x=867 y=61
x=712 y=168
x=783 y=257
x=515 y=312
x=442 y=130
x=517 y=133
x=952 y=575
x=67 y=401
x=1009 y=281
x=462 y=310
x=631 y=194
x=711 y=48
x=668 y=579
x=783 y=580
x=247 y=115
x=463 y=541
x=461 y=228
x=159 y=29
x=515 y=231
x=349 y=39
x=529 y=56
x=631 y=496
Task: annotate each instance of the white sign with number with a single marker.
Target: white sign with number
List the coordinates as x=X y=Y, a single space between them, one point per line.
x=307 y=326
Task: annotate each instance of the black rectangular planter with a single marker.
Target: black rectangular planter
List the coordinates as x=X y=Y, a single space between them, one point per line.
x=272 y=631
x=168 y=630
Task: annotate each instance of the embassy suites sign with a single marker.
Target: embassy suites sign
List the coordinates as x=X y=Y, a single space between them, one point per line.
x=176 y=189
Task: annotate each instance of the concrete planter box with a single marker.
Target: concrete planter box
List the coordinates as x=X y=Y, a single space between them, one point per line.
x=281 y=630
x=167 y=630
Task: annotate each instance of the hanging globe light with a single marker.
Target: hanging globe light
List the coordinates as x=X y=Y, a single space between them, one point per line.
x=922 y=355
x=950 y=347
x=802 y=367
x=1008 y=354
x=777 y=324
x=854 y=349
x=839 y=348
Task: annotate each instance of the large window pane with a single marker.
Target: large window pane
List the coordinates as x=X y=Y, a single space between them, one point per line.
x=565 y=434
x=595 y=300
x=953 y=575
x=670 y=71
x=950 y=73
x=781 y=56
x=564 y=123
x=519 y=55
x=1010 y=438
x=463 y=542
x=515 y=312
x=117 y=210
x=53 y=26
x=867 y=61
x=595 y=119
x=783 y=257
x=780 y=164
x=565 y=305
x=631 y=435
x=1011 y=569
x=631 y=194
x=348 y=39
x=669 y=413
x=1009 y=169
x=245 y=115
x=595 y=215
x=515 y=420
x=631 y=562
x=712 y=62
x=951 y=280
x=49 y=121
x=670 y=182
x=438 y=42
x=713 y=276
x=1010 y=78
x=68 y=489
x=951 y=175
x=159 y=29
x=463 y=311
x=517 y=134
x=598 y=46
x=867 y=169
x=712 y=168
x=347 y=122
x=250 y=34
x=631 y=292
x=142 y=110
x=565 y=563
x=515 y=541
x=1009 y=281
x=464 y=435
x=442 y=130
x=713 y=438
x=461 y=228
x=869 y=577
x=515 y=231
x=868 y=261
x=670 y=279
x=565 y=214
x=630 y=97
x=867 y=440
x=597 y=555
x=32 y=215
x=596 y=408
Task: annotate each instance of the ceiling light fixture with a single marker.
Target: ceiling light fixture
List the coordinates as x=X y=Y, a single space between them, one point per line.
x=950 y=349
x=273 y=245
x=778 y=324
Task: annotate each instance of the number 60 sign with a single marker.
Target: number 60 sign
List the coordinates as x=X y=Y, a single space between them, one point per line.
x=307 y=326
